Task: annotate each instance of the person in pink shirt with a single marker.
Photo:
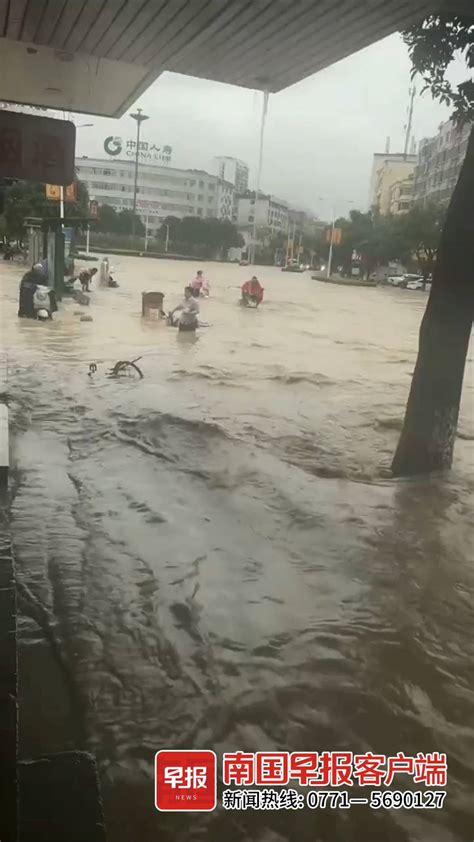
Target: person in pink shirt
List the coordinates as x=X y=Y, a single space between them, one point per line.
x=205 y=288
x=197 y=283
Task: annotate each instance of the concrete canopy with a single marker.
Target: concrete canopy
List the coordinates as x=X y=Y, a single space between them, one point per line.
x=98 y=56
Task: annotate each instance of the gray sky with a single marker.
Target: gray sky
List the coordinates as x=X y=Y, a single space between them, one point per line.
x=320 y=134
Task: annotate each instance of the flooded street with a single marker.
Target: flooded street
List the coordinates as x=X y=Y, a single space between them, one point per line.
x=216 y=556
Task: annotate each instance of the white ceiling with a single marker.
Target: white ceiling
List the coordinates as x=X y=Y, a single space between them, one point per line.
x=97 y=56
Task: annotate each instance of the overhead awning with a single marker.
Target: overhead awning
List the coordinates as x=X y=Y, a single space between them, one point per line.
x=98 y=56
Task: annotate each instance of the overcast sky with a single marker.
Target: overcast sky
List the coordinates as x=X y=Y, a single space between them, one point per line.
x=320 y=134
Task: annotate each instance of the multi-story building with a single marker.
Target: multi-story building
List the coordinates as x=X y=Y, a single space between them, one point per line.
x=162 y=190
x=233 y=170
x=401 y=196
x=388 y=169
x=439 y=162
x=270 y=213
x=305 y=223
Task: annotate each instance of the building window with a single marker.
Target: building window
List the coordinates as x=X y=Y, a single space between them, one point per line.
x=211 y=186
x=201 y=184
x=251 y=218
x=199 y=211
x=200 y=197
x=210 y=199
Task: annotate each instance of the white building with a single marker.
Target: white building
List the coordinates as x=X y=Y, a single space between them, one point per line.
x=162 y=190
x=233 y=170
x=440 y=159
x=271 y=215
x=387 y=169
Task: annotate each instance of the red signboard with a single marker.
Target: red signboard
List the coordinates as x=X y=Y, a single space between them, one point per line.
x=37 y=148
x=53 y=191
x=185 y=780
x=70 y=192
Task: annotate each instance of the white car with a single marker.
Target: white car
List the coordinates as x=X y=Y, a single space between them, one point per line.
x=418 y=284
x=394 y=279
x=403 y=280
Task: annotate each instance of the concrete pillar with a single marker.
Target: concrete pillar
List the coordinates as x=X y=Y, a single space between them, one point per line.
x=4 y=437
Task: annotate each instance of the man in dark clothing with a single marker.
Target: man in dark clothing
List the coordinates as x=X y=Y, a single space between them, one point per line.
x=29 y=283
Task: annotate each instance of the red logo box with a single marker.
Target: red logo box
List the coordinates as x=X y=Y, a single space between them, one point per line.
x=185 y=780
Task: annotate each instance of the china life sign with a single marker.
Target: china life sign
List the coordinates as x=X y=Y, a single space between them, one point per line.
x=150 y=152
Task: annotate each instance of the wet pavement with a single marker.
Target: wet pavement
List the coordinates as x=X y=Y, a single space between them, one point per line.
x=216 y=556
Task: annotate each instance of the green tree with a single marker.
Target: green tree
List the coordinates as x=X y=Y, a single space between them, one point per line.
x=107 y=220
x=378 y=239
x=125 y=224
x=111 y=222
x=206 y=237
x=420 y=229
x=169 y=228
x=28 y=199
x=427 y=439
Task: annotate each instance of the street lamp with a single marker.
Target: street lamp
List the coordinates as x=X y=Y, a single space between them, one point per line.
x=266 y=94
x=139 y=118
x=333 y=225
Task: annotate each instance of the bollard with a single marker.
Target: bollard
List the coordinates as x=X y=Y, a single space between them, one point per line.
x=152 y=303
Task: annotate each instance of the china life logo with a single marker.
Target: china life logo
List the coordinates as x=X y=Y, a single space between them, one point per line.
x=150 y=152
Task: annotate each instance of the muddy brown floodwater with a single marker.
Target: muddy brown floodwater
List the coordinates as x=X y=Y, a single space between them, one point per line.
x=215 y=556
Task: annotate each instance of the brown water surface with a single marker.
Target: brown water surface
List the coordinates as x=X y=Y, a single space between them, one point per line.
x=216 y=556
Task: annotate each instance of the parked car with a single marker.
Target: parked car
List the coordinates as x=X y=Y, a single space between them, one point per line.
x=418 y=284
x=402 y=281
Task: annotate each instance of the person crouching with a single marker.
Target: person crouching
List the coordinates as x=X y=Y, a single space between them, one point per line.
x=185 y=315
x=85 y=278
x=252 y=293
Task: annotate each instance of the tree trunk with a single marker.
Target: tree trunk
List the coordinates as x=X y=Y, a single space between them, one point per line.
x=429 y=431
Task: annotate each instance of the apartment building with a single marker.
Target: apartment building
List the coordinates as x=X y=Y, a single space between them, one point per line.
x=401 y=196
x=439 y=161
x=270 y=213
x=387 y=170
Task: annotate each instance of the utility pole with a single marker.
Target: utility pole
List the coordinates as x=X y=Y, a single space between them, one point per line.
x=146 y=233
x=259 y=173
x=61 y=204
x=331 y=242
x=139 y=118
x=412 y=92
